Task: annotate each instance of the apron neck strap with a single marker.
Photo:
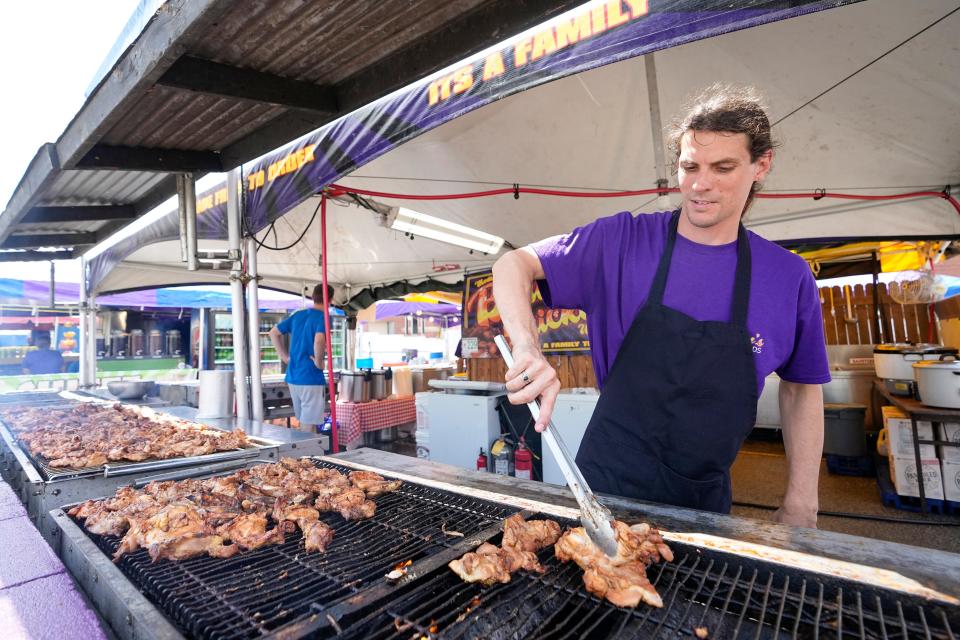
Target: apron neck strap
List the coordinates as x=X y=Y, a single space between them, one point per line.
x=740 y=302
x=741 y=283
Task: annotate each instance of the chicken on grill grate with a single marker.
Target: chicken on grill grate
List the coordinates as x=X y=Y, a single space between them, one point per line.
x=91 y=435
x=221 y=516
x=518 y=550
x=621 y=580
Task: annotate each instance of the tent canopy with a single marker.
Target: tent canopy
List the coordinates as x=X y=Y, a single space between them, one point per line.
x=850 y=119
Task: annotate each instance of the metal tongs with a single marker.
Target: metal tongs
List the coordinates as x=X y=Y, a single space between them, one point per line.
x=596 y=519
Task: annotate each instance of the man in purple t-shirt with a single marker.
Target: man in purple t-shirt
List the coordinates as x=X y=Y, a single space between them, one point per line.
x=688 y=313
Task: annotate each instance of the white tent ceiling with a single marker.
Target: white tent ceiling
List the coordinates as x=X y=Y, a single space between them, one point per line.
x=892 y=127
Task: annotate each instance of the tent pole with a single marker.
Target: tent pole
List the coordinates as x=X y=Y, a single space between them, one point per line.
x=236 y=293
x=253 y=317
x=187 y=209
x=656 y=129
x=334 y=442
x=88 y=343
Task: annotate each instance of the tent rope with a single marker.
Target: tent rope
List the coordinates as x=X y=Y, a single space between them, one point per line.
x=817 y=194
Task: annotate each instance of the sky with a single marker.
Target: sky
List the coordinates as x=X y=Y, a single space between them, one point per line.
x=51 y=51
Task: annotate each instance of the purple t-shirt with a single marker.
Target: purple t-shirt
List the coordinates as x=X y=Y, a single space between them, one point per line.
x=606 y=269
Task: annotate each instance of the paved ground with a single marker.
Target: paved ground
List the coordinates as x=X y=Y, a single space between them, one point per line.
x=38 y=599
x=759 y=478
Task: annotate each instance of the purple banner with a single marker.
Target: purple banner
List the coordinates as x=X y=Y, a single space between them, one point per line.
x=591 y=36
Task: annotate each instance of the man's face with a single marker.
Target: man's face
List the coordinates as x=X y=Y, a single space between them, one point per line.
x=715 y=176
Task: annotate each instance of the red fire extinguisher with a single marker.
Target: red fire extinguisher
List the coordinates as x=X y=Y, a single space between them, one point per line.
x=523 y=461
x=482 y=461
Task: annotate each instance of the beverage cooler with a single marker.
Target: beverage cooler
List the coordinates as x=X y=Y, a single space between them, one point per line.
x=219 y=349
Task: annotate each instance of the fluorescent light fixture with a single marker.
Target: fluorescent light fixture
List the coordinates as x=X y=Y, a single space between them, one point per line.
x=420 y=224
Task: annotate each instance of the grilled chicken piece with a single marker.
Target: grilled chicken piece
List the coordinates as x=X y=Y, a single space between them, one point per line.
x=518 y=550
x=625 y=585
x=362 y=479
x=351 y=503
x=324 y=478
x=375 y=489
x=249 y=531
x=529 y=535
x=296 y=464
x=115 y=523
x=79 y=459
x=317 y=536
x=621 y=580
x=175 y=531
x=486 y=565
x=191 y=545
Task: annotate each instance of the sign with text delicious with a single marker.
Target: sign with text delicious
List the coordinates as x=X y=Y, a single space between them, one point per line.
x=562 y=331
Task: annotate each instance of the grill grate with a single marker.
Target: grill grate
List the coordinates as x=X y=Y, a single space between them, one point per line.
x=729 y=597
x=253 y=593
x=33 y=398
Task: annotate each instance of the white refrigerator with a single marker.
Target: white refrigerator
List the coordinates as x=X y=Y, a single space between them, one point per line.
x=571 y=415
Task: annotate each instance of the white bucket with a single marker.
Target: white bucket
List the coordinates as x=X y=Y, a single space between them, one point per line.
x=216 y=394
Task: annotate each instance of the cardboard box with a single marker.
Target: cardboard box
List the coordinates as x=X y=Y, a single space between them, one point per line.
x=890 y=411
x=951 y=480
x=900 y=436
x=903 y=473
x=949 y=431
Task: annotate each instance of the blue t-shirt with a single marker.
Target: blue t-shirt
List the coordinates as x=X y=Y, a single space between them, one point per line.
x=302 y=327
x=43 y=361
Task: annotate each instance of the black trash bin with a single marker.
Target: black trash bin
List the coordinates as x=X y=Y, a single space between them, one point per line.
x=843 y=430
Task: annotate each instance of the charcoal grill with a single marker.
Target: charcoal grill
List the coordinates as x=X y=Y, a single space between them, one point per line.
x=282 y=592
x=42 y=488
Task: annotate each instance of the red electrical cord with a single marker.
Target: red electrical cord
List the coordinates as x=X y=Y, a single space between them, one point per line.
x=336 y=190
x=335 y=443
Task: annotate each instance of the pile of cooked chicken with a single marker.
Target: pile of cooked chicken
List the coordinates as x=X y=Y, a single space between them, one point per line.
x=223 y=515
x=621 y=579
x=91 y=435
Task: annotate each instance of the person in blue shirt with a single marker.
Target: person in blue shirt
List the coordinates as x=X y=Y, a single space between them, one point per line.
x=44 y=359
x=304 y=361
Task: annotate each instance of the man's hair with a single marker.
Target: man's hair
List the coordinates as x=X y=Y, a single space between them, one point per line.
x=727 y=108
x=317 y=294
x=41 y=339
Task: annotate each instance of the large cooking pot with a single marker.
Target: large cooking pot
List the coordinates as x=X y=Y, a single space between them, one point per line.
x=895 y=361
x=354 y=386
x=381 y=383
x=938 y=382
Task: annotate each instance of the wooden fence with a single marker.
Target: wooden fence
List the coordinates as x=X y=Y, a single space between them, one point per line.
x=848 y=317
x=574 y=371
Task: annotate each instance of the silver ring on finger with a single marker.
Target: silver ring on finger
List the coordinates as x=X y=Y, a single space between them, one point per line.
x=525 y=378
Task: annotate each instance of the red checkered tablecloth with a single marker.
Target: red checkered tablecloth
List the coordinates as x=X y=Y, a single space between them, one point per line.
x=354 y=418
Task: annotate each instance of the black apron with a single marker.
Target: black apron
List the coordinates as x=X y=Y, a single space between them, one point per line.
x=679 y=400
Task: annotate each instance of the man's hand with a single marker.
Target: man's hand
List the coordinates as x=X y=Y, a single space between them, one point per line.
x=797 y=517
x=532 y=377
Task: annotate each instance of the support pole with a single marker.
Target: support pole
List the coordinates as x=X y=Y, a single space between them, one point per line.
x=240 y=367
x=53 y=285
x=253 y=323
x=334 y=442
x=88 y=333
x=656 y=130
x=187 y=209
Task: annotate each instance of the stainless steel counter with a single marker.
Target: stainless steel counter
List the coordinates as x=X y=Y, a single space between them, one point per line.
x=291 y=441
